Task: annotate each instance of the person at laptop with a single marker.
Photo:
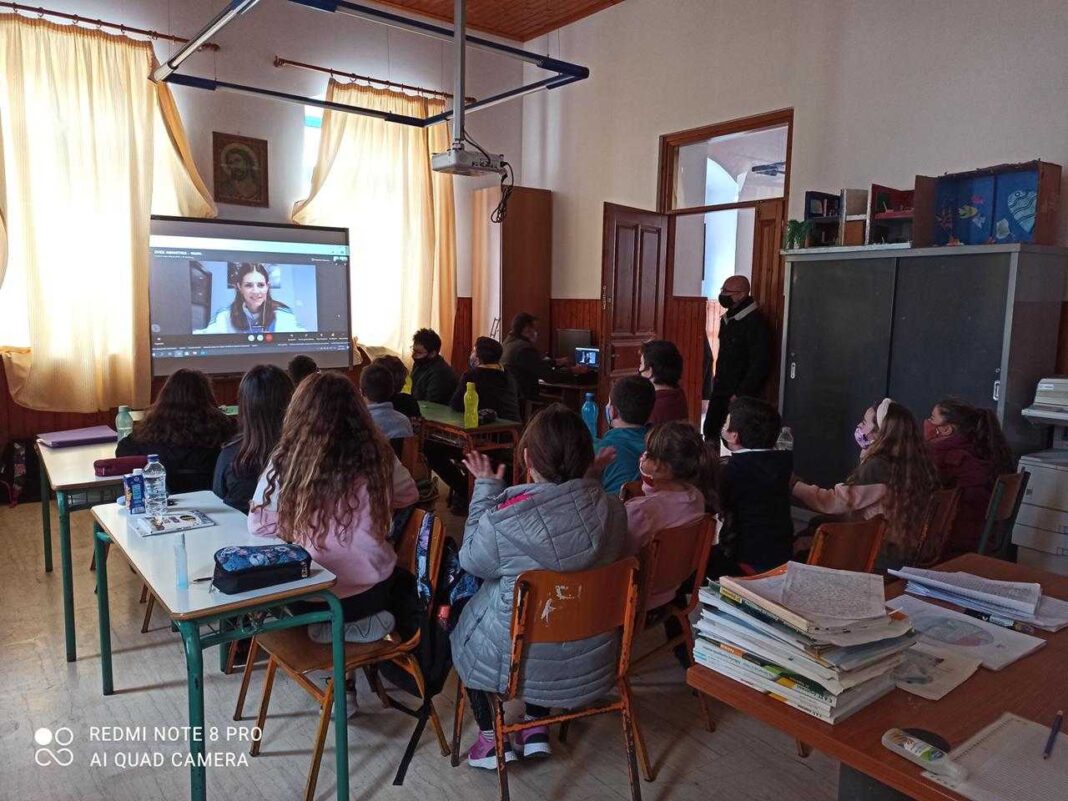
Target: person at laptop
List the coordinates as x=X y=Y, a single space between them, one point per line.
x=630 y=403
x=524 y=361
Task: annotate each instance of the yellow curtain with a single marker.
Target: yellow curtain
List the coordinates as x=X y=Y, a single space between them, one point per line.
x=374 y=178
x=83 y=134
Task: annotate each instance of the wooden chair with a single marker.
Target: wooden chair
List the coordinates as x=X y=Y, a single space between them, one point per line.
x=1001 y=513
x=631 y=489
x=846 y=546
x=293 y=652
x=675 y=559
x=583 y=604
x=938 y=521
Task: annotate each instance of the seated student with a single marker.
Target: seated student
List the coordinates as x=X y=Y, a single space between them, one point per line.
x=754 y=493
x=496 y=389
x=262 y=400
x=629 y=405
x=432 y=378
x=661 y=363
x=895 y=478
x=186 y=428
x=402 y=401
x=969 y=451
x=560 y=521
x=300 y=367
x=330 y=486
x=376 y=384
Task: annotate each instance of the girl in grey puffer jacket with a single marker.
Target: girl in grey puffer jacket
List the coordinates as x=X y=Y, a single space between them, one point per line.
x=561 y=521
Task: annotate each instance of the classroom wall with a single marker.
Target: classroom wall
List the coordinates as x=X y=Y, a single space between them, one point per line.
x=881 y=92
x=248 y=47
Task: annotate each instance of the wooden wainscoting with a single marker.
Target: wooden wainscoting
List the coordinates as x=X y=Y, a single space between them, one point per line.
x=573 y=313
x=684 y=324
x=18 y=422
x=461 y=335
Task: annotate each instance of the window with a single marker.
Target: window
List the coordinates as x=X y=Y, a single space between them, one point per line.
x=313 y=133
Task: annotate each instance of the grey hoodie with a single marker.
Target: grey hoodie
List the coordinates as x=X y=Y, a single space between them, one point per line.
x=564 y=527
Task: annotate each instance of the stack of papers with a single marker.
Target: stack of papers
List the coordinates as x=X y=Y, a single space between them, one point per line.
x=170 y=522
x=817 y=639
x=1002 y=602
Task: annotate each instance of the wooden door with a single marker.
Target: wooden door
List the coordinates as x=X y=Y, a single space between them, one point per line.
x=767 y=281
x=634 y=279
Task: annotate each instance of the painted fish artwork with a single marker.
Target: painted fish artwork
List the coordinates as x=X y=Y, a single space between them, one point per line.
x=966 y=212
x=1022 y=208
x=979 y=220
x=1001 y=229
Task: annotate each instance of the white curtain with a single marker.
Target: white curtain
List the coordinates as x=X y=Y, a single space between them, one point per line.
x=90 y=149
x=374 y=178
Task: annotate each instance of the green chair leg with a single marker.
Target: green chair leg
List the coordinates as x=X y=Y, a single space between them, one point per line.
x=100 y=544
x=67 y=576
x=46 y=518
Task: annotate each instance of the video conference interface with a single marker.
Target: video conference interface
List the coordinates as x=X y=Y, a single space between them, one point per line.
x=226 y=296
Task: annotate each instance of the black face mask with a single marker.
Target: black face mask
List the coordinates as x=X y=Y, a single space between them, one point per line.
x=726 y=301
x=420 y=360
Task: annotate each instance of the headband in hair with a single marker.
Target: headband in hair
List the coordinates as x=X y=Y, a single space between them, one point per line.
x=881 y=410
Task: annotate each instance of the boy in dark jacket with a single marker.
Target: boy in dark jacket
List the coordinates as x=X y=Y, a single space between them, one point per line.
x=432 y=378
x=496 y=389
x=630 y=403
x=757 y=532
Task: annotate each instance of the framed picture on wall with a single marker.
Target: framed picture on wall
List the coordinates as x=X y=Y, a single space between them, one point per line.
x=239 y=165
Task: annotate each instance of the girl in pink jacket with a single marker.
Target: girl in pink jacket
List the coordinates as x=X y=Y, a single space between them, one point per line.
x=331 y=485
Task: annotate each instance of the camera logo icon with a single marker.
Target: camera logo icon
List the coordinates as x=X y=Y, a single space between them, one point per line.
x=60 y=754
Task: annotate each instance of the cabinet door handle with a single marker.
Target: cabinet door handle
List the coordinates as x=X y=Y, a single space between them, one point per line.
x=997 y=390
x=793 y=370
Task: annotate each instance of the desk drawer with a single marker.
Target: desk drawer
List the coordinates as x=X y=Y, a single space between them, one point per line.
x=1044 y=518
x=1047 y=488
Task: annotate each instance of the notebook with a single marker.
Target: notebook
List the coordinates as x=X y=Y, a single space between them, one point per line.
x=78 y=436
x=1004 y=761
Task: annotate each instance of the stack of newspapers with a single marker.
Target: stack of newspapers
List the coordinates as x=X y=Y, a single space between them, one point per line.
x=820 y=640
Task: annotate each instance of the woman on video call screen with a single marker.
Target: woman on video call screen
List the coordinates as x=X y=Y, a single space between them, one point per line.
x=253 y=310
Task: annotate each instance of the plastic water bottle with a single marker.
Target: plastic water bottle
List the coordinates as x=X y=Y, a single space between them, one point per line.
x=155 y=487
x=470 y=406
x=123 y=422
x=785 y=442
x=589 y=414
x=181 y=562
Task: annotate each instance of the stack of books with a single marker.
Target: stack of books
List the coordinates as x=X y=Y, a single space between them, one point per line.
x=817 y=639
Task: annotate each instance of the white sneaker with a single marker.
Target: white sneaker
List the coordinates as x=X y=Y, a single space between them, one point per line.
x=368 y=629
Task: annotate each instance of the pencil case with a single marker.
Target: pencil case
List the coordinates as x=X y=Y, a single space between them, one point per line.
x=241 y=568
x=119 y=465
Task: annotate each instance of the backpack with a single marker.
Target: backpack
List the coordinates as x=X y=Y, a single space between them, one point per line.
x=20 y=471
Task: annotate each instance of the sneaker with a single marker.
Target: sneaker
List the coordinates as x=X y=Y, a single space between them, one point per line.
x=483 y=753
x=368 y=629
x=533 y=742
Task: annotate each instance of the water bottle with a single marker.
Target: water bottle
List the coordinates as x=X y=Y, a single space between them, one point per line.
x=470 y=406
x=785 y=442
x=155 y=487
x=589 y=414
x=181 y=562
x=123 y=422
x=407 y=388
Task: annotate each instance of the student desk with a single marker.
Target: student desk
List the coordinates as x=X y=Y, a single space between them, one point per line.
x=201 y=606
x=442 y=424
x=1032 y=687
x=69 y=471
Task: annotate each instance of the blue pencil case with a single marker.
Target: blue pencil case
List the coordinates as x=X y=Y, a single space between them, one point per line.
x=242 y=568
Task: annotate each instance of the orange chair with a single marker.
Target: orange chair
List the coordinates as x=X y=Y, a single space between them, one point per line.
x=938 y=520
x=848 y=546
x=586 y=603
x=1005 y=500
x=293 y=652
x=675 y=559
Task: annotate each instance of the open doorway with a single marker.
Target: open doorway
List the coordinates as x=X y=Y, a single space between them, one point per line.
x=724 y=188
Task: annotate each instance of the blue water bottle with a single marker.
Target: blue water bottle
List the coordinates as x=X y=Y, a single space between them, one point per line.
x=589 y=414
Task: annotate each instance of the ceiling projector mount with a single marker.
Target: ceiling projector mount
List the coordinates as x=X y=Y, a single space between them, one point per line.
x=458 y=159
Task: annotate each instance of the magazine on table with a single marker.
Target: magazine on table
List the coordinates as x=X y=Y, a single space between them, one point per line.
x=170 y=522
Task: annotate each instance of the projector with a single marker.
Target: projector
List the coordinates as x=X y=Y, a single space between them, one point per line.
x=458 y=161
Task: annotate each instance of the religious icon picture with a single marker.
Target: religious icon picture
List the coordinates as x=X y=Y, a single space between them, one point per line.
x=240 y=169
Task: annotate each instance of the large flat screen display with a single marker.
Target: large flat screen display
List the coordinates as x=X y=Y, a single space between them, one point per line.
x=225 y=295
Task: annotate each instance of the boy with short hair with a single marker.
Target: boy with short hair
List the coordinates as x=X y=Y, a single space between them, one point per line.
x=496 y=389
x=757 y=532
x=376 y=384
x=630 y=403
x=432 y=378
x=402 y=401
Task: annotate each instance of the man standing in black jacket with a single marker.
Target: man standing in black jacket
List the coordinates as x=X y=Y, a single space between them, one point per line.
x=432 y=378
x=744 y=353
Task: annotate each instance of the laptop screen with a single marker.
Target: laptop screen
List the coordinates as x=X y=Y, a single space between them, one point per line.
x=590 y=357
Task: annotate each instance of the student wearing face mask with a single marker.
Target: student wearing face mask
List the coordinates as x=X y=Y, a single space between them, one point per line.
x=895 y=479
x=744 y=360
x=661 y=362
x=629 y=405
x=432 y=378
x=969 y=452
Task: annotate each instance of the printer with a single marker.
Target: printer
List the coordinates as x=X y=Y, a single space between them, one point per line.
x=1041 y=532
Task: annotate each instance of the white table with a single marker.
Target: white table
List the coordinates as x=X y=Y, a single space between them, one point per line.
x=69 y=471
x=199 y=605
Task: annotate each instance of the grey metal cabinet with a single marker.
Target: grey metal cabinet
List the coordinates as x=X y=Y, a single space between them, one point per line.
x=916 y=325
